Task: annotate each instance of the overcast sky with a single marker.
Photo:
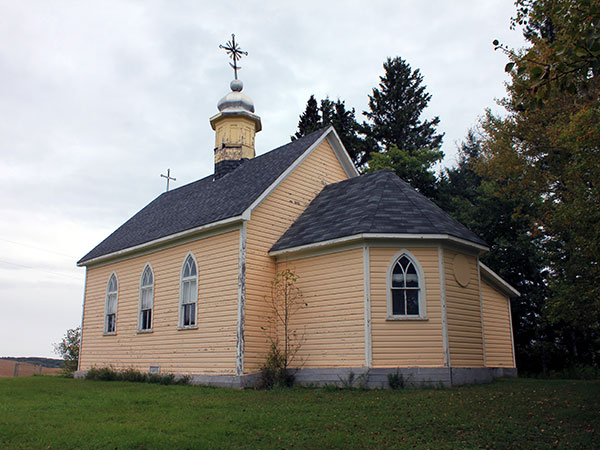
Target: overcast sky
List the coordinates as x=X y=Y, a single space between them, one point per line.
x=98 y=98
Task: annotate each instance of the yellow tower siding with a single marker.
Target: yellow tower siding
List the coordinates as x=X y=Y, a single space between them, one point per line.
x=463 y=305
x=211 y=348
x=332 y=323
x=496 y=319
x=268 y=222
x=405 y=343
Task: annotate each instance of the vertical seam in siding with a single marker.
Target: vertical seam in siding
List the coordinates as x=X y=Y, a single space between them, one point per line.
x=82 y=316
x=441 y=269
x=239 y=363
x=481 y=313
x=367 y=306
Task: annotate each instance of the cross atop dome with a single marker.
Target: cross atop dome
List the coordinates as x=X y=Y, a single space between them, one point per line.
x=235 y=52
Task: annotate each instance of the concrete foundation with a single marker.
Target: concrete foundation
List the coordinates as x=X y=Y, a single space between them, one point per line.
x=360 y=376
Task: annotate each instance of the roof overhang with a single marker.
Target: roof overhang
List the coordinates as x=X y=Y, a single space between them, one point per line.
x=379 y=236
x=494 y=279
x=224 y=224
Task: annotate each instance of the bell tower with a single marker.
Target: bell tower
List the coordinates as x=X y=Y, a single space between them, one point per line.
x=235 y=124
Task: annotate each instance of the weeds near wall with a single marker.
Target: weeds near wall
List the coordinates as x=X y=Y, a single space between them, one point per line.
x=396 y=380
x=134 y=375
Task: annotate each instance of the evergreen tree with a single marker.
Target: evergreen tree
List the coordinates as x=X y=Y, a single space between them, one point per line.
x=309 y=120
x=395 y=108
x=396 y=137
x=343 y=120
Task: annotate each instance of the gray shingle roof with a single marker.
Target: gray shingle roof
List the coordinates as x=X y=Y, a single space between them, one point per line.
x=378 y=202
x=204 y=201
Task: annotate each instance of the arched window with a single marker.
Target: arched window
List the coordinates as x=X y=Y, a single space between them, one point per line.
x=406 y=292
x=188 y=293
x=146 y=299
x=110 y=308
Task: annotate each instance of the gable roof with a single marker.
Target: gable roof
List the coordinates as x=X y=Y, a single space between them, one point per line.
x=206 y=201
x=376 y=203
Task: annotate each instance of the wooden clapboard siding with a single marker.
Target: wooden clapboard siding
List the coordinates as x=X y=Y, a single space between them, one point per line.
x=405 y=343
x=463 y=307
x=211 y=348
x=268 y=222
x=331 y=325
x=496 y=320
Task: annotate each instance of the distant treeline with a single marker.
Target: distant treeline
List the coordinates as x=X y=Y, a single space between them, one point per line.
x=44 y=362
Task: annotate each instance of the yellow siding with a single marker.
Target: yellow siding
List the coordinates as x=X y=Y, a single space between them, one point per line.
x=406 y=343
x=268 y=222
x=331 y=326
x=211 y=348
x=496 y=320
x=463 y=308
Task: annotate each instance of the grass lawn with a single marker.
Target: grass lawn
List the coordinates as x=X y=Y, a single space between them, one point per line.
x=46 y=412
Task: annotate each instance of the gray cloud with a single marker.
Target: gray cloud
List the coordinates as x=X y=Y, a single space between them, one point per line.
x=98 y=98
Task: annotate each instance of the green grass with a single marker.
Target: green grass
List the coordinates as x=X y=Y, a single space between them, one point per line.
x=56 y=413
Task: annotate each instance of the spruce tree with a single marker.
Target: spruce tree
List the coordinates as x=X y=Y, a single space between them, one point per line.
x=395 y=108
x=309 y=120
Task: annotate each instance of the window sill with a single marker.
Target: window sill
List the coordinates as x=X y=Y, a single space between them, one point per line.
x=143 y=331
x=195 y=327
x=112 y=333
x=417 y=318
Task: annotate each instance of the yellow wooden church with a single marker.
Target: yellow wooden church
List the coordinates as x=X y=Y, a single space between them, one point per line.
x=391 y=282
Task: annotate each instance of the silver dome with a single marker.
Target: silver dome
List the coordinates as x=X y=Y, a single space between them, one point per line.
x=235 y=100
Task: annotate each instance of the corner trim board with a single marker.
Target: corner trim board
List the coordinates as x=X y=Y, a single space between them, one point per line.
x=481 y=311
x=441 y=270
x=367 y=306
x=241 y=313
x=82 y=316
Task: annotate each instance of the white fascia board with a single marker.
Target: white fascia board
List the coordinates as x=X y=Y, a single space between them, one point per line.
x=162 y=240
x=498 y=281
x=341 y=154
x=355 y=237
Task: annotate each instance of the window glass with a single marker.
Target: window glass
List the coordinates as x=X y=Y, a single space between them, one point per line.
x=405 y=288
x=188 y=293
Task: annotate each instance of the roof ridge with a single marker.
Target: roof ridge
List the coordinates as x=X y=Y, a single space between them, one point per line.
x=410 y=199
x=379 y=202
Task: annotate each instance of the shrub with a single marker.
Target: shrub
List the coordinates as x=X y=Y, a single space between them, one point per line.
x=133 y=375
x=273 y=372
x=396 y=380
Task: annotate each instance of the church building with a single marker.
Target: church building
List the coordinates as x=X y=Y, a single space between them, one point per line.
x=389 y=281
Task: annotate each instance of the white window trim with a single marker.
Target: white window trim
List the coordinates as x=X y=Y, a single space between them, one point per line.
x=105 y=332
x=139 y=327
x=388 y=288
x=181 y=280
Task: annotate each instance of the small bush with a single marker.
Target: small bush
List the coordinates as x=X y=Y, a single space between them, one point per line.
x=102 y=374
x=133 y=375
x=184 y=379
x=274 y=373
x=396 y=380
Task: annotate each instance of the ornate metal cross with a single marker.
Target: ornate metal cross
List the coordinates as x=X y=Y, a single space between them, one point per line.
x=168 y=177
x=235 y=52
